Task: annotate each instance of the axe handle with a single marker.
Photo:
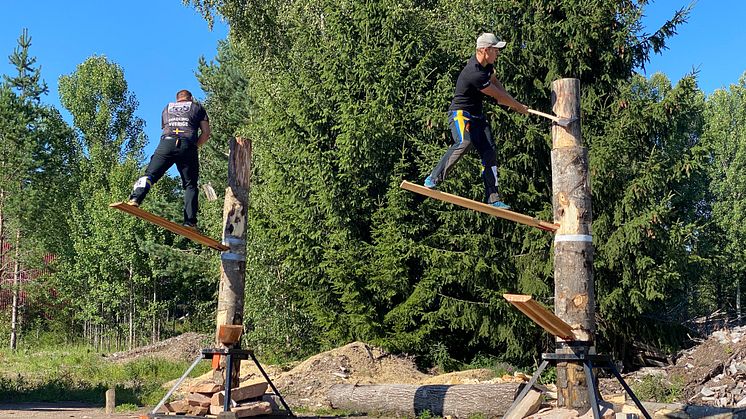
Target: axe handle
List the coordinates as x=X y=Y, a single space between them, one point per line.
x=545 y=115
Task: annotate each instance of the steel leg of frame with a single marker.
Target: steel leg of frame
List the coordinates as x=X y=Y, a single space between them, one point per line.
x=628 y=390
x=528 y=386
x=592 y=391
x=274 y=389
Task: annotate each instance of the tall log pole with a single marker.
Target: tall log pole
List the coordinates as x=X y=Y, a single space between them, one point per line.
x=233 y=261
x=574 y=296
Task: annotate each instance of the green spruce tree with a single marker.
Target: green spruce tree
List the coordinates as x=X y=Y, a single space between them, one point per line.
x=350 y=98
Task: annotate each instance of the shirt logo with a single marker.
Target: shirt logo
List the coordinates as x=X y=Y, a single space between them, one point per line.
x=179 y=107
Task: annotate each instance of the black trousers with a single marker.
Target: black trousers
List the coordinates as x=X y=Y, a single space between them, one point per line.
x=172 y=151
x=467 y=132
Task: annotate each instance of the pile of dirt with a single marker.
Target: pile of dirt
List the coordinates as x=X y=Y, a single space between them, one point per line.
x=306 y=383
x=184 y=347
x=713 y=373
x=355 y=363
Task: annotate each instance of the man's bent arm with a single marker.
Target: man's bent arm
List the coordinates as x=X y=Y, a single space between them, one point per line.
x=204 y=126
x=497 y=91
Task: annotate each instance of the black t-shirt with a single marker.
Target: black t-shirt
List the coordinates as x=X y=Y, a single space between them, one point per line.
x=181 y=119
x=472 y=79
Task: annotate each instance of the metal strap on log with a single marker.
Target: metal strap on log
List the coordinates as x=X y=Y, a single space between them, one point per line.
x=169 y=225
x=541 y=316
x=479 y=206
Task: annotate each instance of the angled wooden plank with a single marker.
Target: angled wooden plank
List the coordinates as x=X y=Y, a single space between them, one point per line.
x=541 y=316
x=546 y=319
x=532 y=313
x=479 y=206
x=169 y=225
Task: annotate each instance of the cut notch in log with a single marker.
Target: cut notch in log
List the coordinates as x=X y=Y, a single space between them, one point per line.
x=479 y=206
x=541 y=316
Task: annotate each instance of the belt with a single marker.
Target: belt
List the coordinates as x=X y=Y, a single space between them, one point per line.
x=178 y=139
x=452 y=115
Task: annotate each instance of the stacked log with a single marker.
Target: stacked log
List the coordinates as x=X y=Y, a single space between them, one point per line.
x=207 y=398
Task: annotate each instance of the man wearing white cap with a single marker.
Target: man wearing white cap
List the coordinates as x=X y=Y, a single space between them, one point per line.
x=468 y=124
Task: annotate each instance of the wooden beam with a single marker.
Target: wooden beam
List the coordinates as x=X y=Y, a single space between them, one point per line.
x=479 y=206
x=169 y=225
x=541 y=316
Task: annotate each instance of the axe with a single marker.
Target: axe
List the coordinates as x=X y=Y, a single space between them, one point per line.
x=563 y=122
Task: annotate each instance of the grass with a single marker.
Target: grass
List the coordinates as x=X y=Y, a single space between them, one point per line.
x=326 y=412
x=659 y=389
x=77 y=373
x=499 y=368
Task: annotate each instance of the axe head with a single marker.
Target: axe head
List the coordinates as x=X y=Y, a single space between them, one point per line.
x=564 y=122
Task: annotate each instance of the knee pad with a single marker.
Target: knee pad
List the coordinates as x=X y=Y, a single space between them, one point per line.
x=143 y=182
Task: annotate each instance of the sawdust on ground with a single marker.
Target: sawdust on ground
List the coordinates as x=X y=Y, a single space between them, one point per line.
x=184 y=347
x=305 y=384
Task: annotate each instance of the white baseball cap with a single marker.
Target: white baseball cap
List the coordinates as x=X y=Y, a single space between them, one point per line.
x=489 y=40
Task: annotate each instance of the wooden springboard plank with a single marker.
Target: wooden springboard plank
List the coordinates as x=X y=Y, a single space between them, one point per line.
x=479 y=206
x=169 y=225
x=546 y=319
x=529 y=311
x=541 y=316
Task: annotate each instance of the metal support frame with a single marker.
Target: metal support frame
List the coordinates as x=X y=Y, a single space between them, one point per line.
x=230 y=355
x=589 y=362
x=178 y=383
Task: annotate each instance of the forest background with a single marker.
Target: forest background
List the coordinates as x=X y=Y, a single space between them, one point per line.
x=342 y=101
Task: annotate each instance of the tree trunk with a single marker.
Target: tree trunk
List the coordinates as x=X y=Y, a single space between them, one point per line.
x=574 y=296
x=131 y=310
x=16 y=293
x=738 y=299
x=153 y=330
x=233 y=261
x=2 y=236
x=464 y=400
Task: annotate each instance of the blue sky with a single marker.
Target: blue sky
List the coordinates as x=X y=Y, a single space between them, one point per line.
x=158 y=43
x=713 y=41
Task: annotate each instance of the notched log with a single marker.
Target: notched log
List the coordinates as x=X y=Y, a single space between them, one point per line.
x=580 y=300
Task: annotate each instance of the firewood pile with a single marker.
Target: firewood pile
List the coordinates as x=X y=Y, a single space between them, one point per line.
x=206 y=398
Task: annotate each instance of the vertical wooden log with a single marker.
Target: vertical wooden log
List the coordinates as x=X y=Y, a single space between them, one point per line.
x=111 y=401
x=233 y=261
x=574 y=296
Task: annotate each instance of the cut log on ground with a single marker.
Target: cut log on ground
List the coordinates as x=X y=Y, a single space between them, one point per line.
x=244 y=392
x=246 y=410
x=180 y=407
x=528 y=406
x=198 y=399
x=205 y=387
x=459 y=401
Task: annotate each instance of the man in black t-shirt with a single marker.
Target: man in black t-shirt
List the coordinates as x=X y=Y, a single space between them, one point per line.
x=180 y=122
x=468 y=124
